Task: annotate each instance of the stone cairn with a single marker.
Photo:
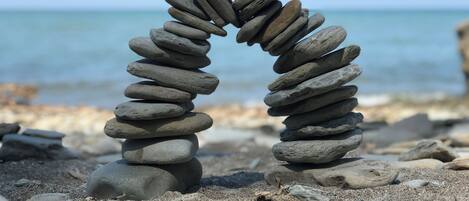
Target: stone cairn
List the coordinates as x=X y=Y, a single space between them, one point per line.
x=159 y=127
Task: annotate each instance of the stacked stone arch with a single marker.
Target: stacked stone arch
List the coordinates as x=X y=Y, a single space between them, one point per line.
x=158 y=124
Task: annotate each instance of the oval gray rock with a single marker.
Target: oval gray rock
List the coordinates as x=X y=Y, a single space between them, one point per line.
x=185 y=31
x=314 y=102
x=314 y=86
x=179 y=44
x=145 y=47
x=54 y=135
x=288 y=33
x=160 y=151
x=324 y=114
x=217 y=19
x=6 y=129
x=142 y=182
x=225 y=10
x=318 y=151
x=323 y=65
x=252 y=8
x=145 y=110
x=196 y=22
x=147 y=90
x=193 y=81
x=249 y=30
x=311 y=48
x=189 y=6
x=188 y=124
x=332 y=127
x=239 y=4
x=289 y=13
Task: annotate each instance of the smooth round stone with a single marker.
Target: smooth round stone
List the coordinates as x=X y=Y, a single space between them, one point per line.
x=325 y=64
x=145 y=47
x=332 y=127
x=142 y=182
x=288 y=33
x=290 y=12
x=311 y=48
x=193 y=81
x=225 y=10
x=54 y=135
x=147 y=90
x=196 y=22
x=252 y=9
x=314 y=22
x=185 y=31
x=324 y=114
x=179 y=44
x=160 y=151
x=249 y=30
x=314 y=102
x=314 y=86
x=318 y=151
x=239 y=4
x=188 y=124
x=189 y=6
x=217 y=19
x=144 y=110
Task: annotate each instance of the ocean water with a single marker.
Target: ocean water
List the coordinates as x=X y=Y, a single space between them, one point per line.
x=80 y=58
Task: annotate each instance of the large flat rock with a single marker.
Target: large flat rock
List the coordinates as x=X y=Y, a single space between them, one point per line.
x=20 y=147
x=145 y=110
x=151 y=91
x=185 y=31
x=179 y=44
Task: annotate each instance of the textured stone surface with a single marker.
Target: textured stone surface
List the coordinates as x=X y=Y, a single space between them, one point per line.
x=314 y=102
x=324 y=114
x=50 y=197
x=251 y=9
x=239 y=4
x=188 y=6
x=314 y=86
x=145 y=110
x=196 y=22
x=290 y=12
x=311 y=48
x=179 y=44
x=148 y=90
x=185 y=31
x=216 y=18
x=249 y=30
x=225 y=10
x=434 y=149
x=320 y=151
x=44 y=134
x=288 y=33
x=188 y=124
x=142 y=182
x=193 y=81
x=8 y=129
x=306 y=193
x=314 y=22
x=332 y=127
x=161 y=151
x=145 y=47
x=345 y=173
x=325 y=64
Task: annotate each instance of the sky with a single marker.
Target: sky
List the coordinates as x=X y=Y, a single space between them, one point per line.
x=160 y=4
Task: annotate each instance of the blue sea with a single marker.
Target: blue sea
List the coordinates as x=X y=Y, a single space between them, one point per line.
x=80 y=57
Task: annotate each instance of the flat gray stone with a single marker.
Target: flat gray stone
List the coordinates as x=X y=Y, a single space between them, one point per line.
x=314 y=86
x=50 y=197
x=344 y=173
x=185 y=31
x=44 y=134
x=289 y=13
x=226 y=11
x=188 y=124
x=306 y=193
x=160 y=151
x=329 y=128
x=325 y=64
x=319 y=151
x=144 y=110
x=142 y=182
x=147 y=90
x=239 y=4
x=250 y=29
x=252 y=9
x=179 y=44
x=418 y=183
x=434 y=149
x=145 y=47
x=196 y=22
x=216 y=18
x=6 y=129
x=288 y=33
x=189 y=6
x=324 y=114
x=314 y=22
x=311 y=48
x=192 y=81
x=314 y=102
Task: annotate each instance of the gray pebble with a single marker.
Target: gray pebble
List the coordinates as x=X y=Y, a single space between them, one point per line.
x=144 y=110
x=50 y=197
x=196 y=22
x=288 y=33
x=225 y=10
x=252 y=9
x=289 y=13
x=189 y=6
x=6 y=129
x=216 y=18
x=249 y=30
x=44 y=134
x=185 y=31
x=147 y=90
x=179 y=44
